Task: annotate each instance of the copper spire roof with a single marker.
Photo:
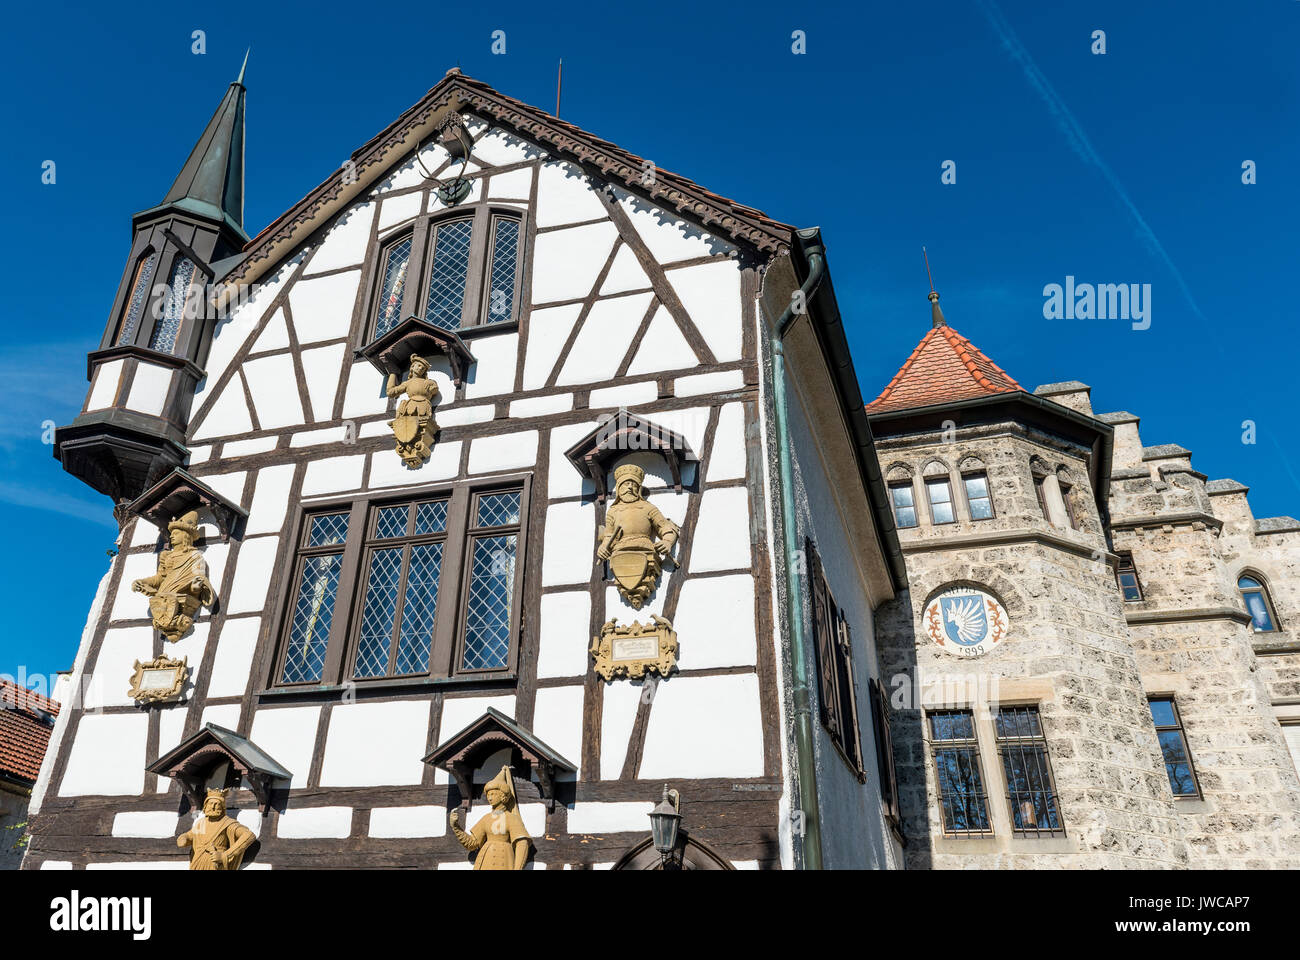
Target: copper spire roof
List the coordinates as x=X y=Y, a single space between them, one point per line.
x=945 y=366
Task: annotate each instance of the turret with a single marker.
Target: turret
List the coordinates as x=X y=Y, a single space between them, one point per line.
x=131 y=430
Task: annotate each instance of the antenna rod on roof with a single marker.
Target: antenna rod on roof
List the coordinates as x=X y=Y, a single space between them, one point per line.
x=927 y=268
x=559 y=85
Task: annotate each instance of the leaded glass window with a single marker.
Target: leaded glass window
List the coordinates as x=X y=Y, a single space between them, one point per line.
x=312 y=617
x=139 y=297
x=505 y=257
x=403 y=569
x=451 y=243
x=168 y=326
x=490 y=595
x=963 y=800
x=393 y=265
x=1030 y=789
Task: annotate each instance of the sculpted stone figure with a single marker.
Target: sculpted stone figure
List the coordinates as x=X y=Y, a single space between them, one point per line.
x=414 y=426
x=500 y=837
x=181 y=584
x=636 y=539
x=216 y=841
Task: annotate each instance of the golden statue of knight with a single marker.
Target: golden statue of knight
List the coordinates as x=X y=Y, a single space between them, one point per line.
x=637 y=537
x=181 y=584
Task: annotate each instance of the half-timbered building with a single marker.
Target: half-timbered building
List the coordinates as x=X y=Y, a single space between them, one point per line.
x=350 y=599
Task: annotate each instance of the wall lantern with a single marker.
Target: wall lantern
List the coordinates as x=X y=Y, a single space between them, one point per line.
x=664 y=822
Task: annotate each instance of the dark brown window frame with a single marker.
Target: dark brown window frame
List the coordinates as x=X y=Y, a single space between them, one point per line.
x=833 y=646
x=1071 y=514
x=449 y=622
x=1127 y=565
x=1040 y=491
x=886 y=768
x=1001 y=744
x=476 y=302
x=1182 y=735
x=993 y=510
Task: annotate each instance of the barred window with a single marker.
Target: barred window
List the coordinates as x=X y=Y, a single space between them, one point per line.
x=1031 y=791
x=836 y=694
x=963 y=800
x=1173 y=747
x=433 y=582
x=900 y=494
x=456 y=271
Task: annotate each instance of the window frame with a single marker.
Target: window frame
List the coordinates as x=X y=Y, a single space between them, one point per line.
x=1126 y=558
x=1066 y=489
x=904 y=485
x=1038 y=741
x=972 y=744
x=1181 y=728
x=475 y=302
x=886 y=767
x=1040 y=490
x=449 y=620
x=970 y=474
x=929 y=500
x=1266 y=595
x=469 y=532
x=836 y=684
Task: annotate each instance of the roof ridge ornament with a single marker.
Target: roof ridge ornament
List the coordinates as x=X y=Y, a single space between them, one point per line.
x=936 y=315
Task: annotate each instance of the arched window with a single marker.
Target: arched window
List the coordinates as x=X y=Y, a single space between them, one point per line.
x=1258 y=603
x=168 y=326
x=139 y=296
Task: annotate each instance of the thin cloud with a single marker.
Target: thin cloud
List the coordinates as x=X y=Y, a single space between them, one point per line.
x=38 y=499
x=1078 y=140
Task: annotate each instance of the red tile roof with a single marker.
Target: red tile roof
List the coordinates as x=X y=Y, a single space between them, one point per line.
x=945 y=366
x=24 y=732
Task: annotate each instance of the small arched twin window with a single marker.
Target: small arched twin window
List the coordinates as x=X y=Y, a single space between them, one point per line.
x=459 y=272
x=1258 y=603
x=176 y=303
x=939 y=493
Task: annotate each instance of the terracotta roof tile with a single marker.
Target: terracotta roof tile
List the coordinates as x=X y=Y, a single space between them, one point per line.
x=945 y=366
x=24 y=730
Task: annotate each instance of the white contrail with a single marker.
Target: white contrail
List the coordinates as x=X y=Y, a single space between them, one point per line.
x=1079 y=141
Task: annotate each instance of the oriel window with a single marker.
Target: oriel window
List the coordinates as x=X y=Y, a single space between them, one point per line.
x=1031 y=791
x=963 y=800
x=178 y=305
x=1173 y=747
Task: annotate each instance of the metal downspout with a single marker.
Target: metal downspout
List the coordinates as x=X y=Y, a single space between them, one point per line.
x=803 y=729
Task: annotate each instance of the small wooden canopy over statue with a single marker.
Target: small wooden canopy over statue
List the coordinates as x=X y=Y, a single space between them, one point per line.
x=623 y=434
x=179 y=493
x=466 y=751
x=217 y=758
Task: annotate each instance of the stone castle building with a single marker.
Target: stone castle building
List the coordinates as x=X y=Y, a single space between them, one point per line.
x=1137 y=708
x=507 y=474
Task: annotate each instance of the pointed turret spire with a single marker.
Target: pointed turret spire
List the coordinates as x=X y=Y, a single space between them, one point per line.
x=211 y=184
x=936 y=315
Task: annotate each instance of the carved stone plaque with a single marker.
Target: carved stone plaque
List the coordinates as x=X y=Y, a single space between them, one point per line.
x=159 y=681
x=635 y=649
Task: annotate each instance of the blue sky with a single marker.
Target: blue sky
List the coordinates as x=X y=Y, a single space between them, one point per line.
x=1115 y=168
